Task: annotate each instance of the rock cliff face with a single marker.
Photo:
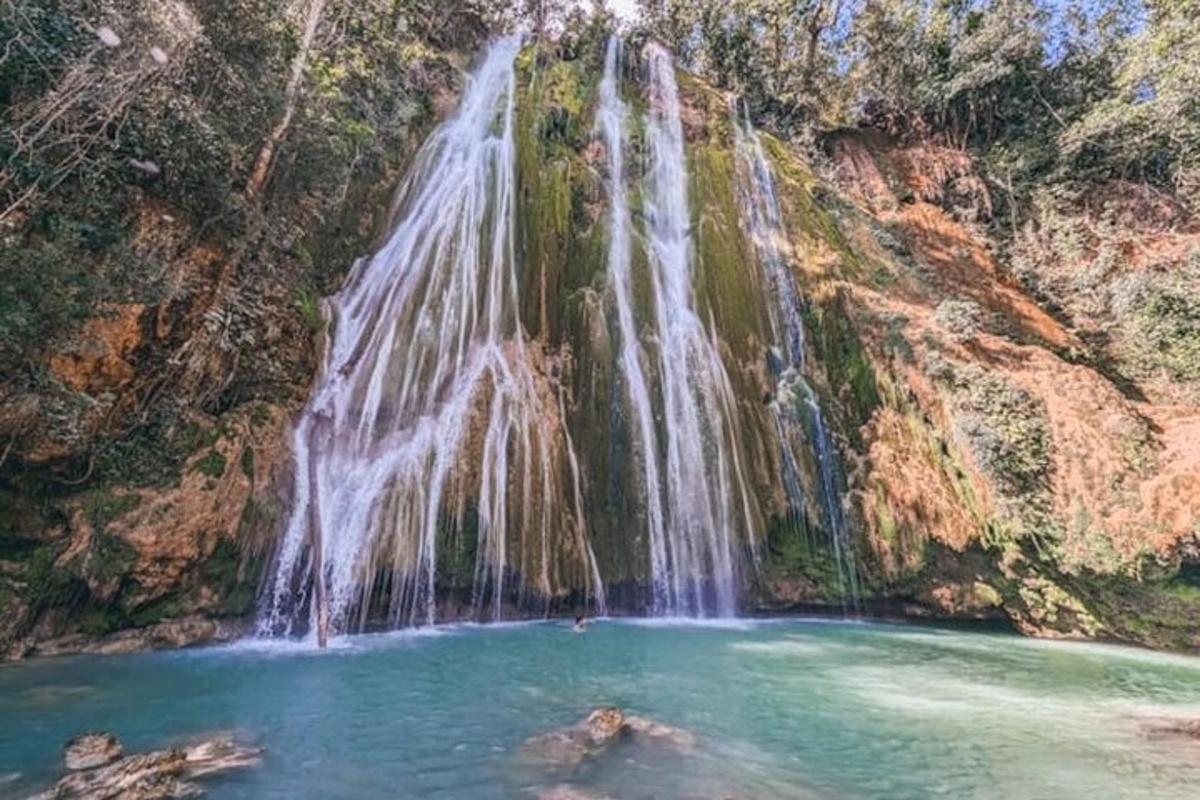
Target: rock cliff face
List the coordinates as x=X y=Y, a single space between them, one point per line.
x=999 y=459
x=1012 y=461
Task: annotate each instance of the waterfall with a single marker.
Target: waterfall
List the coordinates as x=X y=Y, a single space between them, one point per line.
x=431 y=401
x=612 y=114
x=692 y=555
x=793 y=392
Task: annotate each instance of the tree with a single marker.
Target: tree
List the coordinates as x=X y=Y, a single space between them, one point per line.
x=262 y=164
x=888 y=58
x=1149 y=127
x=780 y=55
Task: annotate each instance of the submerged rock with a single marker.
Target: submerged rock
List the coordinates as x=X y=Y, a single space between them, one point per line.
x=567 y=748
x=90 y=750
x=99 y=773
x=676 y=738
x=1188 y=730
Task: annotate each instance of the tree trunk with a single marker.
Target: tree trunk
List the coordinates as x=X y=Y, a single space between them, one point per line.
x=816 y=24
x=262 y=164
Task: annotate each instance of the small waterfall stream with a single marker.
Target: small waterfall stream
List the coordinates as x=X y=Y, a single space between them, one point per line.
x=427 y=355
x=793 y=393
x=707 y=501
x=612 y=115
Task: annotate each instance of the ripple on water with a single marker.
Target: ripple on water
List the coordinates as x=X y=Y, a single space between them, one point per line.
x=53 y=695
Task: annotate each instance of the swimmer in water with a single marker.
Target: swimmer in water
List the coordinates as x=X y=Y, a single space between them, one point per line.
x=580 y=624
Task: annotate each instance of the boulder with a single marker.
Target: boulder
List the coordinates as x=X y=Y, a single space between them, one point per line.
x=150 y=775
x=91 y=750
x=568 y=747
x=565 y=749
x=218 y=755
x=99 y=773
x=604 y=724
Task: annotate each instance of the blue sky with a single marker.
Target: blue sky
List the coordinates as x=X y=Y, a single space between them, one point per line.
x=624 y=8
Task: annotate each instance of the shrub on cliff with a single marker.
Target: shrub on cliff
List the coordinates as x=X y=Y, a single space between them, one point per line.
x=962 y=319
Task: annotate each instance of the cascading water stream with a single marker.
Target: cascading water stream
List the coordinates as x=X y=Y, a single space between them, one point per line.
x=760 y=209
x=612 y=114
x=693 y=558
x=426 y=358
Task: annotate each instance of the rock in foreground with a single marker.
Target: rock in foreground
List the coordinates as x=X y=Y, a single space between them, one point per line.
x=91 y=750
x=97 y=771
x=566 y=748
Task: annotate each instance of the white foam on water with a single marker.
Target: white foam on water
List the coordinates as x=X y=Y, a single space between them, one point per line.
x=711 y=623
x=933 y=692
x=1123 y=652
x=790 y=649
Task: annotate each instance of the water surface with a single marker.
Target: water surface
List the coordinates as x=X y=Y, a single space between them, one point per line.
x=782 y=709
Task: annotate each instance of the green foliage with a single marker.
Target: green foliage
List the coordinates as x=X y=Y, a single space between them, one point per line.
x=51 y=586
x=1149 y=123
x=791 y=553
x=211 y=464
x=1007 y=431
x=100 y=621
x=223 y=574
x=157 y=611
x=848 y=368
x=1167 y=329
x=247 y=461
x=1159 y=612
x=40 y=34
x=155 y=452
x=105 y=507
x=1081 y=90
x=781 y=55
x=110 y=558
x=309 y=306
x=42 y=291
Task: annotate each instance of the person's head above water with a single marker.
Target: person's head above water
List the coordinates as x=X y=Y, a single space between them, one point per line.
x=578 y=619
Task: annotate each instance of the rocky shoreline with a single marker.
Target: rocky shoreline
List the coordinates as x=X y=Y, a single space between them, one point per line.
x=172 y=634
